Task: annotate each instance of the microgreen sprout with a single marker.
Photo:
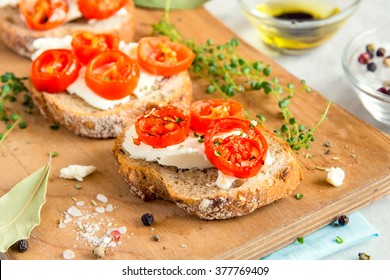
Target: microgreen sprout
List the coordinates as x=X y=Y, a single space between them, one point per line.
x=229 y=74
x=11 y=87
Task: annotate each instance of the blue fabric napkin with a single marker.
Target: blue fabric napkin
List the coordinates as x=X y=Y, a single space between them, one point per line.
x=323 y=242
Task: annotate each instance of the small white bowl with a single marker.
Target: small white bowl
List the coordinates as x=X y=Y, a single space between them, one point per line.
x=364 y=82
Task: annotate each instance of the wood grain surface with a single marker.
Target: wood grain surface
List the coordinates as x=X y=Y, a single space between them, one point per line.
x=361 y=150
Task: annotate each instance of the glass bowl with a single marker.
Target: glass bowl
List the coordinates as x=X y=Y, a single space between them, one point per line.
x=366 y=83
x=295 y=27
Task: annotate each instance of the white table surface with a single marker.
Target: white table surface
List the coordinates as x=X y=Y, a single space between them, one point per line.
x=323 y=71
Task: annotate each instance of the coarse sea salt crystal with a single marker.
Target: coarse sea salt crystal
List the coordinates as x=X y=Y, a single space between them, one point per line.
x=102 y=198
x=109 y=208
x=68 y=254
x=106 y=240
x=74 y=211
x=122 y=230
x=80 y=203
x=99 y=210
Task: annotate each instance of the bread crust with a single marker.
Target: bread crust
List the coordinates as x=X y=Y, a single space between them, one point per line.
x=19 y=38
x=84 y=120
x=150 y=180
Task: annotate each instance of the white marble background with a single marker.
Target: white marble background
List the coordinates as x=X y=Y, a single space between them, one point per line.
x=333 y=84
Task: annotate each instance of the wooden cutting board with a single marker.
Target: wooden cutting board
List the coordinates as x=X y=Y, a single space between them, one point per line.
x=362 y=151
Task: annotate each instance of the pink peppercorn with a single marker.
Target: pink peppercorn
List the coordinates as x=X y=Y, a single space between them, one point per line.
x=116 y=234
x=364 y=58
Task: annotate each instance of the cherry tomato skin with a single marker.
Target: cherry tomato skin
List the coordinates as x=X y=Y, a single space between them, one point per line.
x=87 y=45
x=100 y=9
x=112 y=75
x=241 y=156
x=44 y=14
x=163 y=126
x=203 y=112
x=160 y=56
x=54 y=70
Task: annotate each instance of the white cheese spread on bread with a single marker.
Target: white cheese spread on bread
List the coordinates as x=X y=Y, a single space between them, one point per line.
x=145 y=84
x=185 y=155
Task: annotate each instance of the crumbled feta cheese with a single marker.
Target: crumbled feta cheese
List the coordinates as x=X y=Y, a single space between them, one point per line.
x=335 y=176
x=77 y=172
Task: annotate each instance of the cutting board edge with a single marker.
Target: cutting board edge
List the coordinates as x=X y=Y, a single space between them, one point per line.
x=250 y=251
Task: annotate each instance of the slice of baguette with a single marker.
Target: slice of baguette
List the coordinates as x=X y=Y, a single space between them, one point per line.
x=18 y=37
x=84 y=120
x=194 y=190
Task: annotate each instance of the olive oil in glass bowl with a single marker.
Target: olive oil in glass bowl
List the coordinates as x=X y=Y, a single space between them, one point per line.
x=295 y=27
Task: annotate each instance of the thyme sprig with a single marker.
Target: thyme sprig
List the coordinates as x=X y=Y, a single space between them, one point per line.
x=11 y=87
x=228 y=73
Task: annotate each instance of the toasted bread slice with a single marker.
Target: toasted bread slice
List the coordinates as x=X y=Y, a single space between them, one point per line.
x=194 y=189
x=84 y=120
x=18 y=37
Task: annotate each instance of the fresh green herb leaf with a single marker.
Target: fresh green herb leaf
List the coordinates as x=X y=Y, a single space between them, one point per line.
x=301 y=239
x=228 y=73
x=217 y=153
x=299 y=196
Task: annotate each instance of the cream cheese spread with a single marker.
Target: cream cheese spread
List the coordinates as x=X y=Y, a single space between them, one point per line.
x=79 y=87
x=188 y=154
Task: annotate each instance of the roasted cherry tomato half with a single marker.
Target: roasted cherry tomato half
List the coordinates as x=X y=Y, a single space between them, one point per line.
x=100 y=9
x=54 y=70
x=163 y=126
x=241 y=154
x=44 y=14
x=205 y=111
x=87 y=45
x=112 y=75
x=160 y=56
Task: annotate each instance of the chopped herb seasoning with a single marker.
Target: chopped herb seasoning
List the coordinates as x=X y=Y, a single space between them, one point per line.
x=178 y=120
x=299 y=196
x=54 y=126
x=217 y=153
x=339 y=240
x=53 y=154
x=301 y=239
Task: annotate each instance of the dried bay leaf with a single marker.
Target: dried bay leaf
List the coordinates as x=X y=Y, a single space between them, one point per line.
x=20 y=208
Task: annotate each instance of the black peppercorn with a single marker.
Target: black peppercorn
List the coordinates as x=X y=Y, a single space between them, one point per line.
x=22 y=245
x=381 y=52
x=371 y=67
x=343 y=220
x=147 y=219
